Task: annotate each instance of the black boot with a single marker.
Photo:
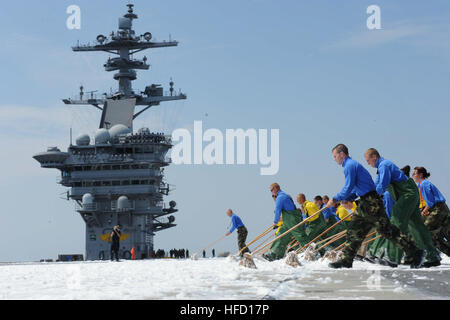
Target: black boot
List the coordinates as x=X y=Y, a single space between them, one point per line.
x=388 y=263
x=429 y=264
x=268 y=257
x=418 y=258
x=340 y=264
x=371 y=259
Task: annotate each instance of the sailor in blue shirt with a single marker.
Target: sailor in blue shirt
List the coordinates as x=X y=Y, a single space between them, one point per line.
x=436 y=212
x=370 y=212
x=241 y=230
x=405 y=212
x=282 y=202
x=358 y=181
x=388 y=204
x=430 y=193
x=285 y=208
x=387 y=171
x=328 y=214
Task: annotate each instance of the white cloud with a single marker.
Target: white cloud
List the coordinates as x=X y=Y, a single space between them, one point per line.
x=428 y=37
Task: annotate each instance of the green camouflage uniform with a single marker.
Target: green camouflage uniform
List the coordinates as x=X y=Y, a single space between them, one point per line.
x=370 y=213
x=405 y=216
x=242 y=236
x=438 y=223
x=278 y=248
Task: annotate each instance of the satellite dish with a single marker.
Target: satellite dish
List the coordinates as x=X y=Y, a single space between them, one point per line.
x=101 y=38
x=148 y=36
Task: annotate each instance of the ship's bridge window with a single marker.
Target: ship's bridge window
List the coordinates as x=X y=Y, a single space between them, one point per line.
x=87 y=183
x=106 y=167
x=97 y=183
x=144 y=166
x=116 y=167
x=138 y=150
x=87 y=168
x=126 y=182
x=77 y=184
x=116 y=183
x=134 y=166
x=77 y=168
x=125 y=167
x=135 y=182
x=106 y=183
x=144 y=181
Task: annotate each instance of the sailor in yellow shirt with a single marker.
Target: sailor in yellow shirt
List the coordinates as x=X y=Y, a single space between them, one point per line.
x=317 y=224
x=342 y=212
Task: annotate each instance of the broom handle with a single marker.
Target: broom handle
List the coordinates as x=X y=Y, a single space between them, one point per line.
x=339 y=247
x=373 y=239
x=334 y=225
x=259 y=245
x=209 y=245
x=294 y=227
x=256 y=239
x=369 y=235
x=335 y=238
x=292 y=244
x=331 y=237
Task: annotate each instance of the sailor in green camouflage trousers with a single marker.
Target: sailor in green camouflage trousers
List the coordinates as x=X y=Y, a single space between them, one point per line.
x=435 y=212
x=369 y=213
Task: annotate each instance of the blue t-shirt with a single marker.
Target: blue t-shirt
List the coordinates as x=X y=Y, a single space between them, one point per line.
x=283 y=202
x=430 y=193
x=236 y=221
x=358 y=181
x=387 y=172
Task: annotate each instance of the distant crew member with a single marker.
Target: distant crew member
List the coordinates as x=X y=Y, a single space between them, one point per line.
x=369 y=213
x=405 y=213
x=284 y=205
x=241 y=231
x=115 y=243
x=436 y=212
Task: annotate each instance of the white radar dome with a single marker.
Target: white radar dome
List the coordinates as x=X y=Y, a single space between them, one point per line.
x=102 y=136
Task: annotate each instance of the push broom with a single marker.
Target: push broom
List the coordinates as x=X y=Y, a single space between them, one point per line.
x=292 y=260
x=247 y=260
x=194 y=256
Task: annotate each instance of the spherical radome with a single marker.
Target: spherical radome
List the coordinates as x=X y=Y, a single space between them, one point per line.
x=117 y=130
x=83 y=140
x=123 y=203
x=102 y=136
x=87 y=198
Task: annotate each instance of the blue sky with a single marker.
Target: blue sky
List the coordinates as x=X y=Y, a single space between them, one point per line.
x=309 y=68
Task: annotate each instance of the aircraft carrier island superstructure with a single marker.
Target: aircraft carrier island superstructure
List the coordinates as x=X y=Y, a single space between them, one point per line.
x=116 y=177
